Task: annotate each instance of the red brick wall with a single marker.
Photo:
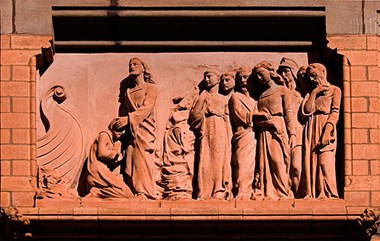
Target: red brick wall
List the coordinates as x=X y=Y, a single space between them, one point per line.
x=18 y=117
x=361 y=118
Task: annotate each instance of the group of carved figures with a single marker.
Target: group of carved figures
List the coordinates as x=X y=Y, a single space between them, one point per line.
x=223 y=141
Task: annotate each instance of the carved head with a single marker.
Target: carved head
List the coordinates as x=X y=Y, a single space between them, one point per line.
x=138 y=67
x=264 y=73
x=227 y=82
x=317 y=73
x=242 y=77
x=116 y=132
x=287 y=70
x=211 y=78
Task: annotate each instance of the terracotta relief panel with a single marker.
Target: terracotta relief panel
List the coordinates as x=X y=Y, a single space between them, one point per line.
x=250 y=126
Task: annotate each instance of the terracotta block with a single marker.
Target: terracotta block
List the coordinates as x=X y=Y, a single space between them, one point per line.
x=347 y=120
x=5 y=168
x=373 y=73
x=21 y=168
x=365 y=151
x=30 y=41
x=347 y=136
x=360 y=167
x=375 y=180
x=368 y=88
x=20 y=104
x=357 y=57
x=371 y=42
x=375 y=167
x=18 y=57
x=358 y=73
x=348 y=151
x=375 y=199
x=346 y=105
x=15 y=152
x=33 y=168
x=348 y=167
x=374 y=136
x=358 y=183
x=23 y=199
x=5 y=104
x=15 y=120
x=21 y=73
x=5 y=41
x=365 y=120
x=5 y=72
x=360 y=136
x=354 y=212
x=5 y=137
x=374 y=105
x=5 y=199
x=357 y=198
x=346 y=89
x=14 y=88
x=347 y=42
x=10 y=183
x=359 y=104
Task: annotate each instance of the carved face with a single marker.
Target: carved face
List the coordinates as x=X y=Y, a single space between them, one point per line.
x=315 y=76
x=227 y=82
x=135 y=67
x=287 y=75
x=263 y=75
x=243 y=79
x=211 y=79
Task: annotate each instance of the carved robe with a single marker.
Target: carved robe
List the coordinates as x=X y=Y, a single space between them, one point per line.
x=140 y=165
x=214 y=133
x=273 y=147
x=243 y=143
x=101 y=182
x=319 y=163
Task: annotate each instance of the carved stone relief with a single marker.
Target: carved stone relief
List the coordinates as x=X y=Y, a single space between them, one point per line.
x=251 y=133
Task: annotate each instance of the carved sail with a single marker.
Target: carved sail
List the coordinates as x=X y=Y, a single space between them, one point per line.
x=62 y=147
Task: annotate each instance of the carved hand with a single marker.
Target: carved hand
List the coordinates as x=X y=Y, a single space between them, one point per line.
x=321 y=89
x=327 y=135
x=121 y=122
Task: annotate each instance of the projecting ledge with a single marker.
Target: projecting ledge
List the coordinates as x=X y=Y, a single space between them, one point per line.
x=192 y=210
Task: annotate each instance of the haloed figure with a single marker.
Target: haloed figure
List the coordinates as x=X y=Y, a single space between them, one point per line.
x=277 y=133
x=210 y=119
x=242 y=107
x=227 y=84
x=287 y=69
x=321 y=108
x=138 y=120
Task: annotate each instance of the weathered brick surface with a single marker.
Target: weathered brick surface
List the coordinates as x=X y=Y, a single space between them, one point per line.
x=371 y=42
x=15 y=89
x=20 y=168
x=368 y=88
x=374 y=136
x=21 y=136
x=5 y=72
x=5 y=41
x=20 y=105
x=373 y=73
x=360 y=136
x=347 y=42
x=15 y=120
x=364 y=120
x=5 y=137
x=357 y=198
x=375 y=199
x=21 y=73
x=5 y=168
x=23 y=199
x=359 y=104
x=29 y=41
x=358 y=73
x=5 y=104
x=365 y=151
x=5 y=199
x=374 y=104
x=360 y=168
x=9 y=152
x=17 y=183
x=358 y=57
x=17 y=57
x=375 y=167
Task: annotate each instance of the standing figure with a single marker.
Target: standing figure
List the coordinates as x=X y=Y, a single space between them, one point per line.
x=105 y=155
x=242 y=107
x=277 y=133
x=210 y=119
x=137 y=117
x=321 y=108
x=227 y=83
x=287 y=69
